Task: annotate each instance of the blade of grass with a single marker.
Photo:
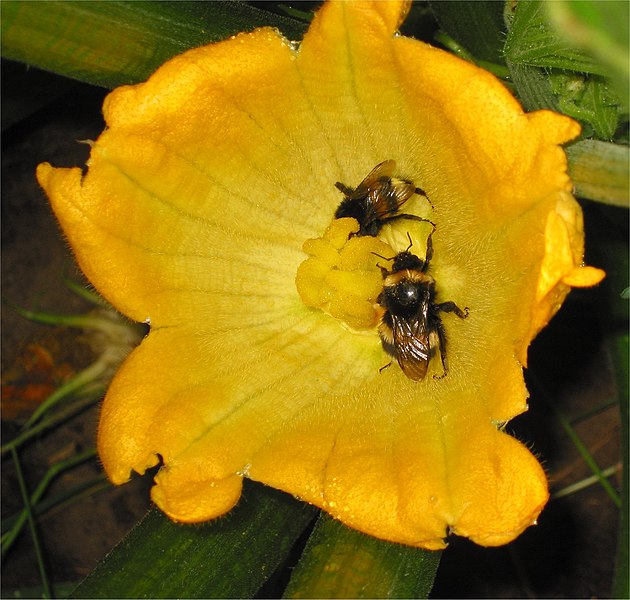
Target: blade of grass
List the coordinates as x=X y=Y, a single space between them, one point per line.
x=611 y=224
x=584 y=483
x=230 y=557
x=32 y=526
x=587 y=457
x=608 y=225
x=64 y=498
x=8 y=537
x=339 y=562
x=621 y=583
x=593 y=411
x=88 y=398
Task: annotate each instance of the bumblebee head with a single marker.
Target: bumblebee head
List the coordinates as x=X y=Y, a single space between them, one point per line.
x=404 y=261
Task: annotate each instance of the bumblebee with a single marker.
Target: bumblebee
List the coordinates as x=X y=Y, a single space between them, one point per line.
x=411 y=328
x=377 y=199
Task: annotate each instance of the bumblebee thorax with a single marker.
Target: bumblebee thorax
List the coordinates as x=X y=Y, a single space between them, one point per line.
x=414 y=277
x=406 y=291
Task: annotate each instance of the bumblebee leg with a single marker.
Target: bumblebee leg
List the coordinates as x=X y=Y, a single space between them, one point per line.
x=452 y=308
x=344 y=189
x=429 y=253
x=422 y=193
x=405 y=216
x=439 y=330
x=437 y=327
x=389 y=364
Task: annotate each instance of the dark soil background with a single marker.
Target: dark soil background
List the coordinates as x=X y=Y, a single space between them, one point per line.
x=570 y=554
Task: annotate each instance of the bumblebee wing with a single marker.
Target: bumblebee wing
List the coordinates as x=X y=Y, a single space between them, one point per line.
x=412 y=346
x=380 y=172
x=402 y=190
x=393 y=196
x=384 y=169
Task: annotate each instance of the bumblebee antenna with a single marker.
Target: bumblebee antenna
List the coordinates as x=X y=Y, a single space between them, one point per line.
x=410 y=242
x=383 y=257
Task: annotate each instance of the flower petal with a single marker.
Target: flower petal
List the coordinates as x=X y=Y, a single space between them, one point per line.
x=195 y=214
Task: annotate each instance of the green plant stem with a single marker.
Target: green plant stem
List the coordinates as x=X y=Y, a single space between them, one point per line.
x=477 y=26
x=600 y=171
x=501 y=71
x=103 y=324
x=26 y=514
x=32 y=526
x=83 y=292
x=340 y=562
x=89 y=375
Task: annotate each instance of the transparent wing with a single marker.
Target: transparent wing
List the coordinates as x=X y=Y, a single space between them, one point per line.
x=412 y=345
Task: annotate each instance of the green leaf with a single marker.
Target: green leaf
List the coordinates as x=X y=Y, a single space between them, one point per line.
x=533 y=87
x=589 y=100
x=533 y=41
x=339 y=562
x=230 y=557
x=600 y=171
x=477 y=26
x=549 y=73
x=601 y=30
x=109 y=43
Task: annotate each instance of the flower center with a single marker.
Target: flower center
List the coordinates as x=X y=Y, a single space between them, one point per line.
x=341 y=276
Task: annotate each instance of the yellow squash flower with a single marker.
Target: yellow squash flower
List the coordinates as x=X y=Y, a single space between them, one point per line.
x=208 y=210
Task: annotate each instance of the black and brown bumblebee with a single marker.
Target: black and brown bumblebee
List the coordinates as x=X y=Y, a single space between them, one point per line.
x=377 y=199
x=411 y=328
